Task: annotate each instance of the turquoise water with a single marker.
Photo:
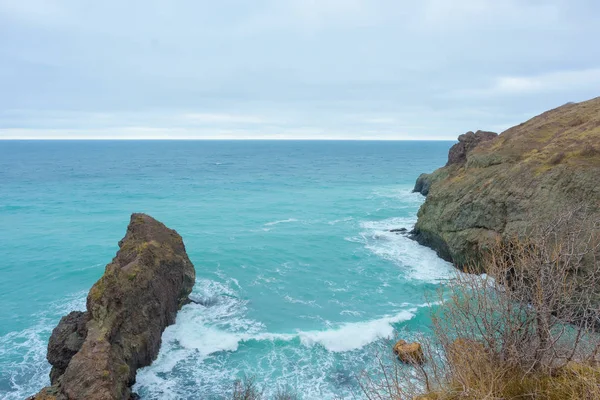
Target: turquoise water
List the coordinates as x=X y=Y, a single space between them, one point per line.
x=300 y=278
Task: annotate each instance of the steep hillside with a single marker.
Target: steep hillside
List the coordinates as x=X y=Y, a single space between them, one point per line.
x=504 y=185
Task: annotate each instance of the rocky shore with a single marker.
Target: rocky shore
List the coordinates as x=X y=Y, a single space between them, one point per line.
x=495 y=186
x=95 y=354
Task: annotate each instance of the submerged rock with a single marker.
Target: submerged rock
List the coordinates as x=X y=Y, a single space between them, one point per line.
x=95 y=354
x=500 y=186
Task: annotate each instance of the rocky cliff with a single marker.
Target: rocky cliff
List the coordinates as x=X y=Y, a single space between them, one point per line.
x=95 y=354
x=493 y=186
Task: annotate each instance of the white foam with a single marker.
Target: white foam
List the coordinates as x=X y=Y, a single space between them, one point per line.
x=311 y=303
x=404 y=194
x=283 y=221
x=196 y=349
x=192 y=333
x=353 y=313
x=418 y=262
x=337 y=221
x=23 y=353
x=355 y=335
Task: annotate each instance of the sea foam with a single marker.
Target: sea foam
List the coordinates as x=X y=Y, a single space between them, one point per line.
x=418 y=262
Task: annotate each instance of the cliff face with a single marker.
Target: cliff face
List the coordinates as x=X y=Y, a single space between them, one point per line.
x=95 y=354
x=501 y=185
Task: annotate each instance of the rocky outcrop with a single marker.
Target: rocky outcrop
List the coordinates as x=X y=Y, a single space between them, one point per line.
x=498 y=186
x=410 y=353
x=466 y=143
x=65 y=341
x=457 y=156
x=95 y=354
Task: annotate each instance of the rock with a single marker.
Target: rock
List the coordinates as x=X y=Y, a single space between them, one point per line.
x=423 y=184
x=466 y=143
x=410 y=353
x=65 y=342
x=399 y=230
x=501 y=186
x=95 y=354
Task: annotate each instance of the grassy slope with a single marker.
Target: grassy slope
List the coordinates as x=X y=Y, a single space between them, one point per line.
x=528 y=173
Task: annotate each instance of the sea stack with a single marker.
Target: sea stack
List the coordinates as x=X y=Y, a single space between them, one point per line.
x=496 y=186
x=95 y=354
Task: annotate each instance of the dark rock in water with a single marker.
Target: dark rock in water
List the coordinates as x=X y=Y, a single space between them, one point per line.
x=423 y=184
x=95 y=354
x=399 y=230
x=495 y=187
x=466 y=143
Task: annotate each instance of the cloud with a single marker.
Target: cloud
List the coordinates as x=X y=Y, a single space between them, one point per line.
x=225 y=118
x=493 y=14
x=557 y=81
x=368 y=68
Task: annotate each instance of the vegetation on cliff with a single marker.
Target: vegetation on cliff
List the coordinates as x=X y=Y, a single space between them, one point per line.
x=528 y=329
x=523 y=207
x=95 y=354
x=506 y=184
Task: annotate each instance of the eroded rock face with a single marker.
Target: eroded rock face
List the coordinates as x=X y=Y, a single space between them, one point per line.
x=65 y=341
x=506 y=184
x=466 y=143
x=95 y=354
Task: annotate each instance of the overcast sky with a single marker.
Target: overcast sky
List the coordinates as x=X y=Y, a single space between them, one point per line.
x=310 y=69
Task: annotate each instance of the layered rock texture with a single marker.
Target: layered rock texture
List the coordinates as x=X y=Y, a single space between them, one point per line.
x=500 y=185
x=95 y=354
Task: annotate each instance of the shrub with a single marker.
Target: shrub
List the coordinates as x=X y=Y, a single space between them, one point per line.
x=247 y=389
x=527 y=329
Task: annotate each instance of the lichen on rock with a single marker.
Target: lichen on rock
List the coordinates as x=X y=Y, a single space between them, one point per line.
x=95 y=354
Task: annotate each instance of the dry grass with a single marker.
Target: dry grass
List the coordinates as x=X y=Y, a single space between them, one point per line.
x=572 y=129
x=526 y=330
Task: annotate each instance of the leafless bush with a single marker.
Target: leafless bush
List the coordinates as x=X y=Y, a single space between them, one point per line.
x=246 y=389
x=286 y=393
x=528 y=328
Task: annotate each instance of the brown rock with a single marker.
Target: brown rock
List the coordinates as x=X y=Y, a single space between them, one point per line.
x=410 y=353
x=96 y=354
x=466 y=143
x=506 y=185
x=65 y=342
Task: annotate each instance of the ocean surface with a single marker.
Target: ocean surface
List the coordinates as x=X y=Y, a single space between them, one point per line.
x=300 y=278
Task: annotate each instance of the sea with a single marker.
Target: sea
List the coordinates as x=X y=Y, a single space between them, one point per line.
x=299 y=282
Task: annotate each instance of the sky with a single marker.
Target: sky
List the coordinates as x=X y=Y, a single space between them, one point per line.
x=290 y=69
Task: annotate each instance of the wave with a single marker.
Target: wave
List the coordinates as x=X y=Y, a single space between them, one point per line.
x=191 y=333
x=404 y=194
x=212 y=346
x=418 y=262
x=355 y=335
x=337 y=221
x=311 y=303
x=23 y=366
x=283 y=221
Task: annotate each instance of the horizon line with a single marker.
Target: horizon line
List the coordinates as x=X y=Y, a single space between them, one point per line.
x=224 y=139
